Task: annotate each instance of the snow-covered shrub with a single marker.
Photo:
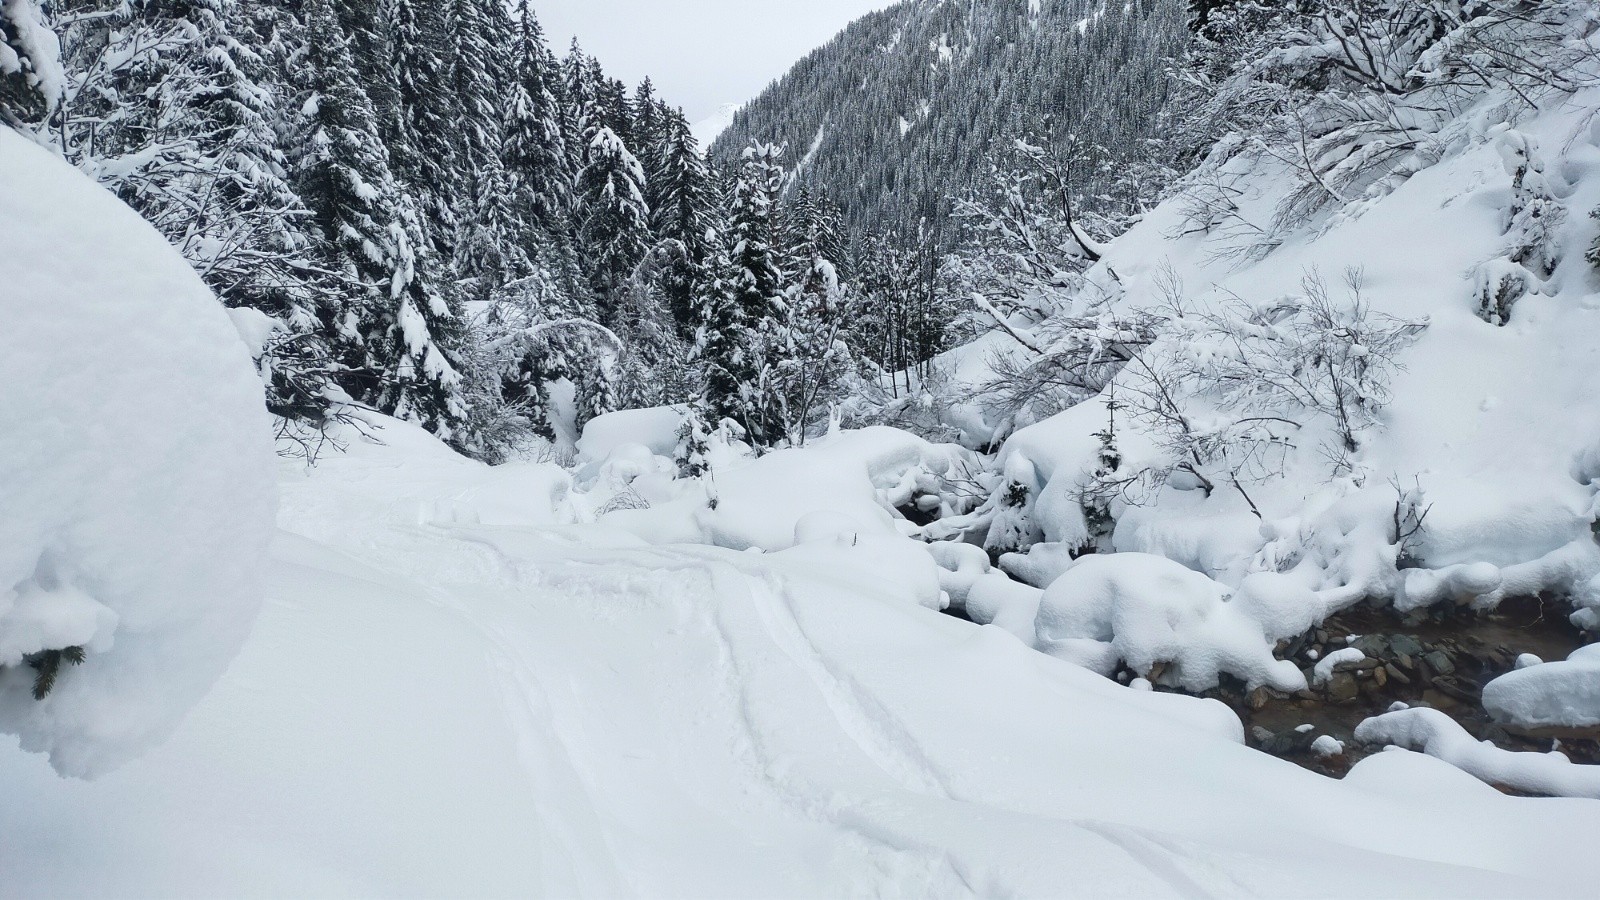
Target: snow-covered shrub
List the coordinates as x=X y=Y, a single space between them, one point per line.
x=1352 y=94
x=529 y=337
x=1532 y=225
x=807 y=363
x=135 y=473
x=1155 y=615
x=1231 y=391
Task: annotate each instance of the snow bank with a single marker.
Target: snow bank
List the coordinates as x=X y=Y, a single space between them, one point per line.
x=1145 y=610
x=1556 y=694
x=1436 y=734
x=135 y=471
x=863 y=475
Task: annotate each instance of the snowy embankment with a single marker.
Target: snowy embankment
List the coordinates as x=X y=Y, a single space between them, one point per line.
x=1465 y=474
x=458 y=688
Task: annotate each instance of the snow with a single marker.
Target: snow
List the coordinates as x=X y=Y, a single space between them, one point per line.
x=493 y=705
x=1323 y=673
x=707 y=130
x=656 y=429
x=1555 y=694
x=1144 y=610
x=135 y=474
x=1327 y=745
x=1436 y=734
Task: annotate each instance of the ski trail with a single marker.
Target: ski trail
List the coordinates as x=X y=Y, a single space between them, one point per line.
x=773 y=668
x=860 y=716
x=576 y=844
x=808 y=735
x=1157 y=859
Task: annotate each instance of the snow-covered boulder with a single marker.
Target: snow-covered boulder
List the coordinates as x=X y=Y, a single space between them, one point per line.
x=136 y=472
x=1144 y=610
x=1549 y=695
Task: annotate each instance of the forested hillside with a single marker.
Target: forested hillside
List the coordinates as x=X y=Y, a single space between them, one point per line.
x=909 y=107
x=432 y=215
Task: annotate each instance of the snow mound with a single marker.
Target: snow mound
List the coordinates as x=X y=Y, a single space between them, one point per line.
x=1436 y=734
x=1556 y=694
x=1324 y=670
x=1144 y=610
x=861 y=475
x=656 y=428
x=135 y=472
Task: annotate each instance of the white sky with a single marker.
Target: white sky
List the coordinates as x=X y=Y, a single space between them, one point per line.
x=702 y=54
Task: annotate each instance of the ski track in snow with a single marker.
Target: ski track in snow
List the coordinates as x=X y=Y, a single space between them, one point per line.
x=760 y=642
x=766 y=662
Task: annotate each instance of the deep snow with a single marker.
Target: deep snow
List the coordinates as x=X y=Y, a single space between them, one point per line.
x=452 y=693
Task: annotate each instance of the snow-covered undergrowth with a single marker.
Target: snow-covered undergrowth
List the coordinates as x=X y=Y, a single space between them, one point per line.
x=464 y=684
x=1319 y=410
x=136 y=492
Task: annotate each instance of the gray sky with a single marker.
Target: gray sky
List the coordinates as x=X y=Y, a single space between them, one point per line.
x=702 y=54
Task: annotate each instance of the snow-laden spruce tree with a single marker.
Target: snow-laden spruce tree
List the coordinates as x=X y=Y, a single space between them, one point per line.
x=424 y=140
x=31 y=81
x=534 y=151
x=613 y=214
x=395 y=332
x=681 y=198
x=741 y=297
x=178 y=108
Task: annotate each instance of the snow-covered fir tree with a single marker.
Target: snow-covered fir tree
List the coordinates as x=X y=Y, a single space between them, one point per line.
x=31 y=81
x=741 y=298
x=396 y=332
x=613 y=215
x=681 y=195
x=534 y=149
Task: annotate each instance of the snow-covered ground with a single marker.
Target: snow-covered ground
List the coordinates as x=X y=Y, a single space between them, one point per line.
x=450 y=692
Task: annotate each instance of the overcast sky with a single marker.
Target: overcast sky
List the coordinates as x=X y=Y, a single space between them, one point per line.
x=702 y=54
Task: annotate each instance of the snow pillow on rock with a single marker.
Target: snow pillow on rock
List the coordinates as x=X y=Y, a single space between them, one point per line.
x=136 y=493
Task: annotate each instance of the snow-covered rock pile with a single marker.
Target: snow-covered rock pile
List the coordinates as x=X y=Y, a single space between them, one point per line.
x=1549 y=695
x=864 y=477
x=135 y=473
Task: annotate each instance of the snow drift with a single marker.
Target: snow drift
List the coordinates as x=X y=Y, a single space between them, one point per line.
x=135 y=472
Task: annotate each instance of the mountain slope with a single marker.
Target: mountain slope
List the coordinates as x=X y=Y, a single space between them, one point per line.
x=905 y=107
